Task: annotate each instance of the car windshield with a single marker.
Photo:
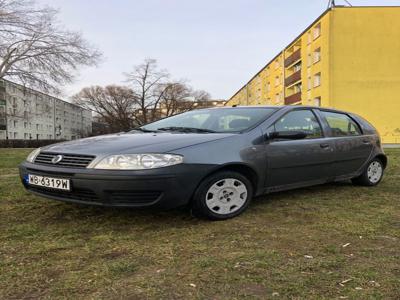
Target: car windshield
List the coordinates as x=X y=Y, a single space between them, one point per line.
x=220 y=120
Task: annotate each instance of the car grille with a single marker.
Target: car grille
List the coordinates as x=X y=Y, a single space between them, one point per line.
x=68 y=160
x=134 y=197
x=82 y=195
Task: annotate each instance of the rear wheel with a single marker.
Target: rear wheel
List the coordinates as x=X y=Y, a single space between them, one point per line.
x=222 y=196
x=372 y=174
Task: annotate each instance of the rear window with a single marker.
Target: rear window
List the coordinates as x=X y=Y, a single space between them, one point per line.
x=341 y=124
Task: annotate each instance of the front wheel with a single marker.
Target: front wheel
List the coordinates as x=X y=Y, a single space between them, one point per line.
x=372 y=174
x=222 y=196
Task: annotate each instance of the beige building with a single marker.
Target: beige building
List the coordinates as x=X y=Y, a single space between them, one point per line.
x=28 y=114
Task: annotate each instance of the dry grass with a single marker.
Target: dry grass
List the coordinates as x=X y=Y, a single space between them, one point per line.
x=287 y=245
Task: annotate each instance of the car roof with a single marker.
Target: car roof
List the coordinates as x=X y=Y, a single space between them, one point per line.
x=279 y=107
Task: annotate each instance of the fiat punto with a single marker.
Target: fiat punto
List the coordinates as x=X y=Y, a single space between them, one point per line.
x=214 y=160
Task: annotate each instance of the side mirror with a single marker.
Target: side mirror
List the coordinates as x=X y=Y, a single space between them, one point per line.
x=288 y=135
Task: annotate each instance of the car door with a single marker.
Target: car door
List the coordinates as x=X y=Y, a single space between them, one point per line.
x=353 y=148
x=303 y=162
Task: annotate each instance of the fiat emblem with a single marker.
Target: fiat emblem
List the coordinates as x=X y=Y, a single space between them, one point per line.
x=57 y=159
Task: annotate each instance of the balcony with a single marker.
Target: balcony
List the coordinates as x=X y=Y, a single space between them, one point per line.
x=293 y=98
x=293 y=78
x=293 y=58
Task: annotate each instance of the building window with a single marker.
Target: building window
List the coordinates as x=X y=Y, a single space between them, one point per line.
x=268 y=86
x=317 y=101
x=267 y=71
x=317 y=79
x=26 y=136
x=297 y=67
x=309 y=60
x=309 y=38
x=317 y=31
x=277 y=80
x=297 y=88
x=317 y=55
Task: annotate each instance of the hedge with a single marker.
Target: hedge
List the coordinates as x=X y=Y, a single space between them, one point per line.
x=27 y=143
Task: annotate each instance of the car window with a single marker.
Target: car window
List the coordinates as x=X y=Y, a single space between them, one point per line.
x=341 y=124
x=300 y=120
x=215 y=120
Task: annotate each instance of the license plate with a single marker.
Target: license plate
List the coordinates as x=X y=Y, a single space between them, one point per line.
x=49 y=182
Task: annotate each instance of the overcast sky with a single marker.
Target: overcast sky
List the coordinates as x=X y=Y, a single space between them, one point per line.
x=217 y=45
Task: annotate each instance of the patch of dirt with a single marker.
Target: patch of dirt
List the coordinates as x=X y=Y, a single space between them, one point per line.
x=114 y=254
x=253 y=289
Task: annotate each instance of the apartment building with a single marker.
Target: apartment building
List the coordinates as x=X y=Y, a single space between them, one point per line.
x=29 y=114
x=346 y=59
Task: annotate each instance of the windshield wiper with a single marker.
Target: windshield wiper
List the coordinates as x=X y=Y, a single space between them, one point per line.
x=186 y=129
x=143 y=130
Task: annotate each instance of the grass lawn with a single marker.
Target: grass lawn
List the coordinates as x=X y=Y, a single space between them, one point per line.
x=334 y=241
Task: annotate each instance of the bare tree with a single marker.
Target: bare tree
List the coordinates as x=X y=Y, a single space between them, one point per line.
x=149 y=83
x=158 y=95
x=113 y=105
x=174 y=99
x=179 y=97
x=35 y=50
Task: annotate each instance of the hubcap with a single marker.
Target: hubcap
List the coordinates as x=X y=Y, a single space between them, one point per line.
x=226 y=196
x=374 y=172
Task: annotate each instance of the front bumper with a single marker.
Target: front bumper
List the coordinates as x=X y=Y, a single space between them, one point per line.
x=159 y=188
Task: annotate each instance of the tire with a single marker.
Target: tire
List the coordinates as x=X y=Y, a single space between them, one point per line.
x=372 y=174
x=222 y=196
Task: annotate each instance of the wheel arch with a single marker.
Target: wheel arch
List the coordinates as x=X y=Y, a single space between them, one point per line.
x=241 y=168
x=383 y=159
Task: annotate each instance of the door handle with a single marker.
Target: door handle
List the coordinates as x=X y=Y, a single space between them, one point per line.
x=324 y=145
x=366 y=142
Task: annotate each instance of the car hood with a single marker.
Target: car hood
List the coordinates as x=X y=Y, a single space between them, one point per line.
x=133 y=143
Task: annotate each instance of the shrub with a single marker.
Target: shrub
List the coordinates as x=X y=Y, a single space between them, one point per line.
x=27 y=143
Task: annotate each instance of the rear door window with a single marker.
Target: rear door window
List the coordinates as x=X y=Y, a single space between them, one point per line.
x=341 y=124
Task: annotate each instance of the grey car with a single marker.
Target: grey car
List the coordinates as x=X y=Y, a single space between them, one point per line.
x=213 y=160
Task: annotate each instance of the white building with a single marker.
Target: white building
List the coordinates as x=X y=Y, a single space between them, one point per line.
x=29 y=114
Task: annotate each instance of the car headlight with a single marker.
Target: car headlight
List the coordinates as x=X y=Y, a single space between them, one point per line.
x=31 y=157
x=138 y=161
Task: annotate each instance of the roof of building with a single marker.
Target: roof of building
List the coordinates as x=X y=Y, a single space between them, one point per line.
x=44 y=94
